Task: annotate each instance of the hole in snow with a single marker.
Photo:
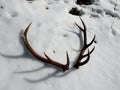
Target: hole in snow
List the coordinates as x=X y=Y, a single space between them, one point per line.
x=110 y=13
x=47 y=8
x=1 y=7
x=30 y=0
x=53 y=51
x=84 y=2
x=65 y=35
x=75 y=11
x=14 y=14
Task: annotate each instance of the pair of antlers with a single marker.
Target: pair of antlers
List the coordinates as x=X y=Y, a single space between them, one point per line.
x=64 y=67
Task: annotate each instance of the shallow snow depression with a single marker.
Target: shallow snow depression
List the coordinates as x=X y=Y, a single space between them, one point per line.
x=53 y=31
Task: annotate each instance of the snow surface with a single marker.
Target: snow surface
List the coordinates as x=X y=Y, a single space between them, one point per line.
x=53 y=31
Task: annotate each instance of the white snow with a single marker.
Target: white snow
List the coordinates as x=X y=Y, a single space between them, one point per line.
x=53 y=29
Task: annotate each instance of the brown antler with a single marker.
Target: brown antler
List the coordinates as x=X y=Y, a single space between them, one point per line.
x=81 y=55
x=47 y=59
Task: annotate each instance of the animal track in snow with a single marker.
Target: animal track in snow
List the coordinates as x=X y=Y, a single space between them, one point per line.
x=111 y=13
x=115 y=24
x=14 y=14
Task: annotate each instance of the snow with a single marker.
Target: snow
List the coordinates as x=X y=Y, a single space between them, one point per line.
x=53 y=31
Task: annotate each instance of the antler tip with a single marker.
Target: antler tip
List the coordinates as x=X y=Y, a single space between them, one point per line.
x=26 y=30
x=68 y=61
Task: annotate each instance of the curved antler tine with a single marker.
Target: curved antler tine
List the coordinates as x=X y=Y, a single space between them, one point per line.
x=47 y=56
x=67 y=63
x=90 y=52
x=79 y=27
x=28 y=46
x=91 y=41
x=84 y=32
x=83 y=23
x=64 y=67
x=26 y=30
x=84 y=62
x=68 y=60
x=47 y=59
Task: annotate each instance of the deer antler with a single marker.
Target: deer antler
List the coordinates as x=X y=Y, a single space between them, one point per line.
x=81 y=55
x=47 y=59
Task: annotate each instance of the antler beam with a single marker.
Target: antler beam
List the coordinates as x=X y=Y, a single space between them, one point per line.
x=47 y=59
x=82 y=55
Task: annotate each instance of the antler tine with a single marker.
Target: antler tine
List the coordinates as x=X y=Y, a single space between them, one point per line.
x=90 y=52
x=24 y=37
x=84 y=32
x=64 y=67
x=81 y=55
x=79 y=27
x=84 y=62
x=27 y=29
x=91 y=41
x=68 y=61
x=47 y=59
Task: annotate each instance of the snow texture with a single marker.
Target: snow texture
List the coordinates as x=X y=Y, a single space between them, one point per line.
x=53 y=31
